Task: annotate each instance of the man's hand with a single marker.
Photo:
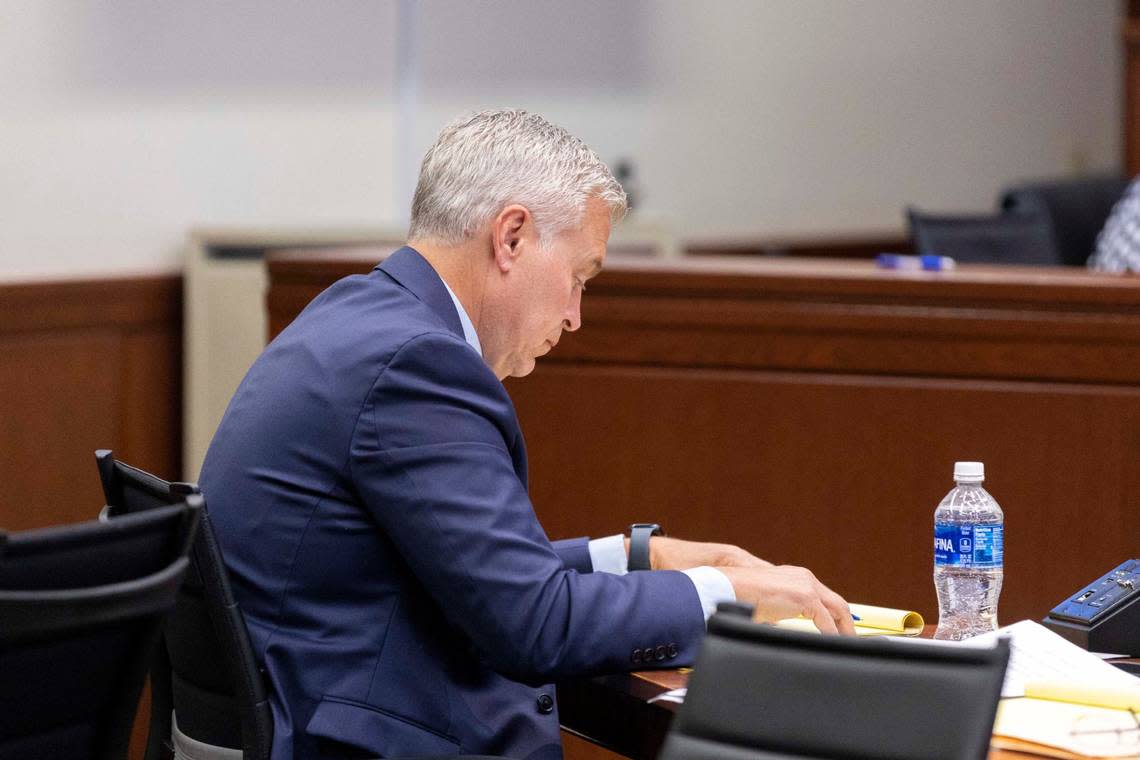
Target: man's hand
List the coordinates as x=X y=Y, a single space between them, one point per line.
x=777 y=591
x=675 y=554
x=784 y=591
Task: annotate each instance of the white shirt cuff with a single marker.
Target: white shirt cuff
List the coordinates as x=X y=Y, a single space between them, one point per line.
x=607 y=555
x=713 y=587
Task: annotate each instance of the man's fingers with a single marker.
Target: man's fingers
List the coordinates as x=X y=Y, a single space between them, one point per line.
x=839 y=610
x=823 y=620
x=844 y=622
x=786 y=591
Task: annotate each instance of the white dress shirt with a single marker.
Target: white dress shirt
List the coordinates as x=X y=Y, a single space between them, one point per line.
x=1118 y=244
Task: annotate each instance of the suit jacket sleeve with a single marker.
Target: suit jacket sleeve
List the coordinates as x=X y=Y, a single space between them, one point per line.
x=575 y=554
x=431 y=459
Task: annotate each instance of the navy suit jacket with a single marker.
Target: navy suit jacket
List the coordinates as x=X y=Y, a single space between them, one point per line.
x=368 y=487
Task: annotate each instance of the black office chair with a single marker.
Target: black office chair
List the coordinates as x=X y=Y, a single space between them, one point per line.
x=81 y=610
x=1009 y=238
x=204 y=670
x=1075 y=210
x=761 y=692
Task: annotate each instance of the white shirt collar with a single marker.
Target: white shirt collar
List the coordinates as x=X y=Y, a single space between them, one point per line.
x=469 y=333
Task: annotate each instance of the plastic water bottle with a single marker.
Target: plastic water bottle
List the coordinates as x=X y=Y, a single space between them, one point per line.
x=968 y=527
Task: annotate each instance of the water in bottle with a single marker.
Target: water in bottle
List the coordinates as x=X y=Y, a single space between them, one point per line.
x=968 y=527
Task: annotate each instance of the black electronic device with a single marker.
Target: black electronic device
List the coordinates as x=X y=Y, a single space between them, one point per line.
x=1103 y=616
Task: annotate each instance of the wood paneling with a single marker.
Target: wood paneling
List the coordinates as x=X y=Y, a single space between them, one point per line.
x=86 y=365
x=838 y=473
x=812 y=410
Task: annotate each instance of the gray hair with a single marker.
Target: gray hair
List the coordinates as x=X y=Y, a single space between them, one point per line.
x=481 y=163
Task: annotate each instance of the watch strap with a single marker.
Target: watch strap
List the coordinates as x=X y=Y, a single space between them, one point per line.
x=639 y=534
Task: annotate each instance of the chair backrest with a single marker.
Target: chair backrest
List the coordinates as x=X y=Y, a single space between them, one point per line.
x=761 y=692
x=1076 y=210
x=1011 y=238
x=205 y=670
x=81 y=610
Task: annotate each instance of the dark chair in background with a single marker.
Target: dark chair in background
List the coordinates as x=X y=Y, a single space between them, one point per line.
x=1049 y=222
x=1011 y=238
x=761 y=692
x=204 y=669
x=81 y=610
x=1074 y=209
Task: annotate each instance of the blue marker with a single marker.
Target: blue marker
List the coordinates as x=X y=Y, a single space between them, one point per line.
x=925 y=263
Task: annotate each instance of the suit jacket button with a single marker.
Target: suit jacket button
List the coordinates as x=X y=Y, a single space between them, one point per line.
x=636 y=656
x=545 y=704
x=672 y=652
x=659 y=653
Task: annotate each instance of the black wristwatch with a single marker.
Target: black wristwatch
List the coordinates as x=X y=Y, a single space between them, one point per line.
x=639 y=534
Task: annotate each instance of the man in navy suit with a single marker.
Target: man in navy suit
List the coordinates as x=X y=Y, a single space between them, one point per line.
x=368 y=482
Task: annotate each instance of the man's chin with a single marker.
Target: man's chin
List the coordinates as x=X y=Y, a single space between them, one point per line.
x=523 y=368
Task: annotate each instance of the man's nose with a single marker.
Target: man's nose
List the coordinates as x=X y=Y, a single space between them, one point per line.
x=573 y=318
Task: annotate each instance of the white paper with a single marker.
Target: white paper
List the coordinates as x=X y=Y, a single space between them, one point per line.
x=1038 y=654
x=674 y=695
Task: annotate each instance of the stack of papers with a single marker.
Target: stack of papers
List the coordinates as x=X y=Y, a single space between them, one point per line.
x=1060 y=701
x=1042 y=664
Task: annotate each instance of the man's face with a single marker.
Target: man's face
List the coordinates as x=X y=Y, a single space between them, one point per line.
x=544 y=294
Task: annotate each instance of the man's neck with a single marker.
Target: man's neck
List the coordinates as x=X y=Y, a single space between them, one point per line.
x=463 y=267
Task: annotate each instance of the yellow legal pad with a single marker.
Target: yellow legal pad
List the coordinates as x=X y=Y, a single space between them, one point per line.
x=872 y=621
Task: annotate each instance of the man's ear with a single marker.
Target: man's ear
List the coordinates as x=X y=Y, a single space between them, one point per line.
x=509 y=230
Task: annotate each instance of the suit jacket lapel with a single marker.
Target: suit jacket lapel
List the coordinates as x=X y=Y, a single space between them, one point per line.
x=407 y=267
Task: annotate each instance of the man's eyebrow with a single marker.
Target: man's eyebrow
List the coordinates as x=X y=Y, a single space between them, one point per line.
x=595 y=267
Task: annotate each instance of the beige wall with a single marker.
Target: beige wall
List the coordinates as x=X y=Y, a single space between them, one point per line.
x=122 y=124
